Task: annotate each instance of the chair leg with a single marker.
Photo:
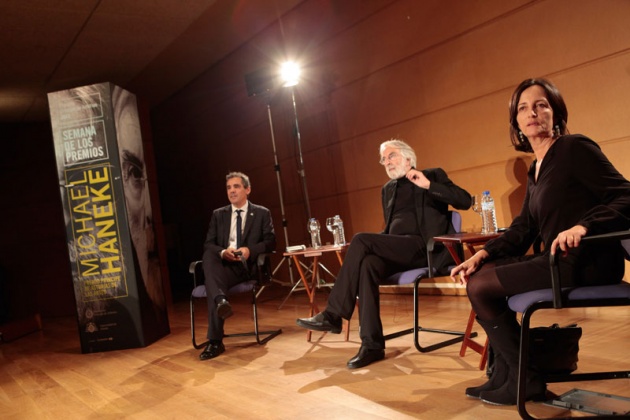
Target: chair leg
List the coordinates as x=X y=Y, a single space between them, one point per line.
x=192 y=326
x=459 y=335
x=269 y=333
x=256 y=333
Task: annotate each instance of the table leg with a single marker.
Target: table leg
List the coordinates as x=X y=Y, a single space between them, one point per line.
x=468 y=341
x=310 y=291
x=451 y=250
x=471 y=249
x=473 y=345
x=312 y=287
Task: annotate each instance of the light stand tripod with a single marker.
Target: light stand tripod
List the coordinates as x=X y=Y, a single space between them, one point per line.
x=262 y=81
x=307 y=202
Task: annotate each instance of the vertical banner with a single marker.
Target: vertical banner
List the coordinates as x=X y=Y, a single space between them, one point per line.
x=107 y=210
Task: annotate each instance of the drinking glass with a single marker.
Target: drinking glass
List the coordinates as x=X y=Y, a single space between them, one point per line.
x=313 y=228
x=330 y=225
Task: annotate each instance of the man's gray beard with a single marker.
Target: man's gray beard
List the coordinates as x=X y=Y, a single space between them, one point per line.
x=398 y=173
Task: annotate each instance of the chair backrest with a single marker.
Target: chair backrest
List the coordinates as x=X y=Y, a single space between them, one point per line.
x=456 y=220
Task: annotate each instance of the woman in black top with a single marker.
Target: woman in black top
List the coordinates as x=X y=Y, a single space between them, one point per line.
x=572 y=190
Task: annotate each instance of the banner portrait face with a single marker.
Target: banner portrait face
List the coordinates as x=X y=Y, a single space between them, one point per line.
x=137 y=198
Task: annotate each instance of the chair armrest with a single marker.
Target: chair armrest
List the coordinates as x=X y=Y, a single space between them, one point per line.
x=192 y=269
x=430 y=247
x=264 y=268
x=554 y=260
x=262 y=258
x=605 y=237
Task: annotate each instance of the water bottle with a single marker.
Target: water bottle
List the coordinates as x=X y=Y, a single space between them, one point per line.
x=313 y=228
x=340 y=237
x=488 y=214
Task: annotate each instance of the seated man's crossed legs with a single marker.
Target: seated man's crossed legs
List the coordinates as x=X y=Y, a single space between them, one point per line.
x=370 y=258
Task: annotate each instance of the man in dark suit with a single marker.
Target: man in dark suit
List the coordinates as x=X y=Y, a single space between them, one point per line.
x=230 y=252
x=415 y=208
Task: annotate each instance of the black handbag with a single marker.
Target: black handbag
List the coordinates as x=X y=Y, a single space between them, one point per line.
x=554 y=349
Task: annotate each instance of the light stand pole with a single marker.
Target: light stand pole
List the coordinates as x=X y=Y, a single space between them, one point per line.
x=302 y=174
x=276 y=168
x=290 y=75
x=301 y=171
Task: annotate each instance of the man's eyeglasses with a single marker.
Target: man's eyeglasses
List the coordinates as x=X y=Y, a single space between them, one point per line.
x=390 y=157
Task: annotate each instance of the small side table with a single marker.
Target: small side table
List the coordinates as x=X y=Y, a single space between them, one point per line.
x=315 y=254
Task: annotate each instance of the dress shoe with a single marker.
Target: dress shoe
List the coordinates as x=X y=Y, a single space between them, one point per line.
x=320 y=323
x=224 y=309
x=365 y=356
x=211 y=351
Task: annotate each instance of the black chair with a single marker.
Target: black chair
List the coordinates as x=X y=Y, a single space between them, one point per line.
x=558 y=297
x=415 y=276
x=253 y=286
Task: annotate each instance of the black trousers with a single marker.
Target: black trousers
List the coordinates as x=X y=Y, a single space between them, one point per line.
x=220 y=275
x=371 y=258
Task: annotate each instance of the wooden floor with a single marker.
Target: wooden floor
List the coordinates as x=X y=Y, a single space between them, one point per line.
x=44 y=375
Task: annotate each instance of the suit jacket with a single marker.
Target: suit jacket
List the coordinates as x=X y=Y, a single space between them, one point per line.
x=258 y=233
x=431 y=209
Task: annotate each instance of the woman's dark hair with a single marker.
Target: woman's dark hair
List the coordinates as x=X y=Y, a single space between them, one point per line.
x=560 y=113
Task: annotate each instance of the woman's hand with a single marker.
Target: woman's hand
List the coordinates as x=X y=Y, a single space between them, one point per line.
x=468 y=267
x=569 y=238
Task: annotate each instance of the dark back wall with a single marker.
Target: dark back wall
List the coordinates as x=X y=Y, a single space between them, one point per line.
x=33 y=255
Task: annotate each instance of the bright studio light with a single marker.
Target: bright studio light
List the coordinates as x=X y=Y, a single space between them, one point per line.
x=290 y=74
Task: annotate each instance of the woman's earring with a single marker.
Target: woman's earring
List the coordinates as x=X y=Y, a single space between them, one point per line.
x=521 y=138
x=556 y=131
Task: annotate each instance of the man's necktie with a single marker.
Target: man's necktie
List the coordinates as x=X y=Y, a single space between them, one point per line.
x=239 y=226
